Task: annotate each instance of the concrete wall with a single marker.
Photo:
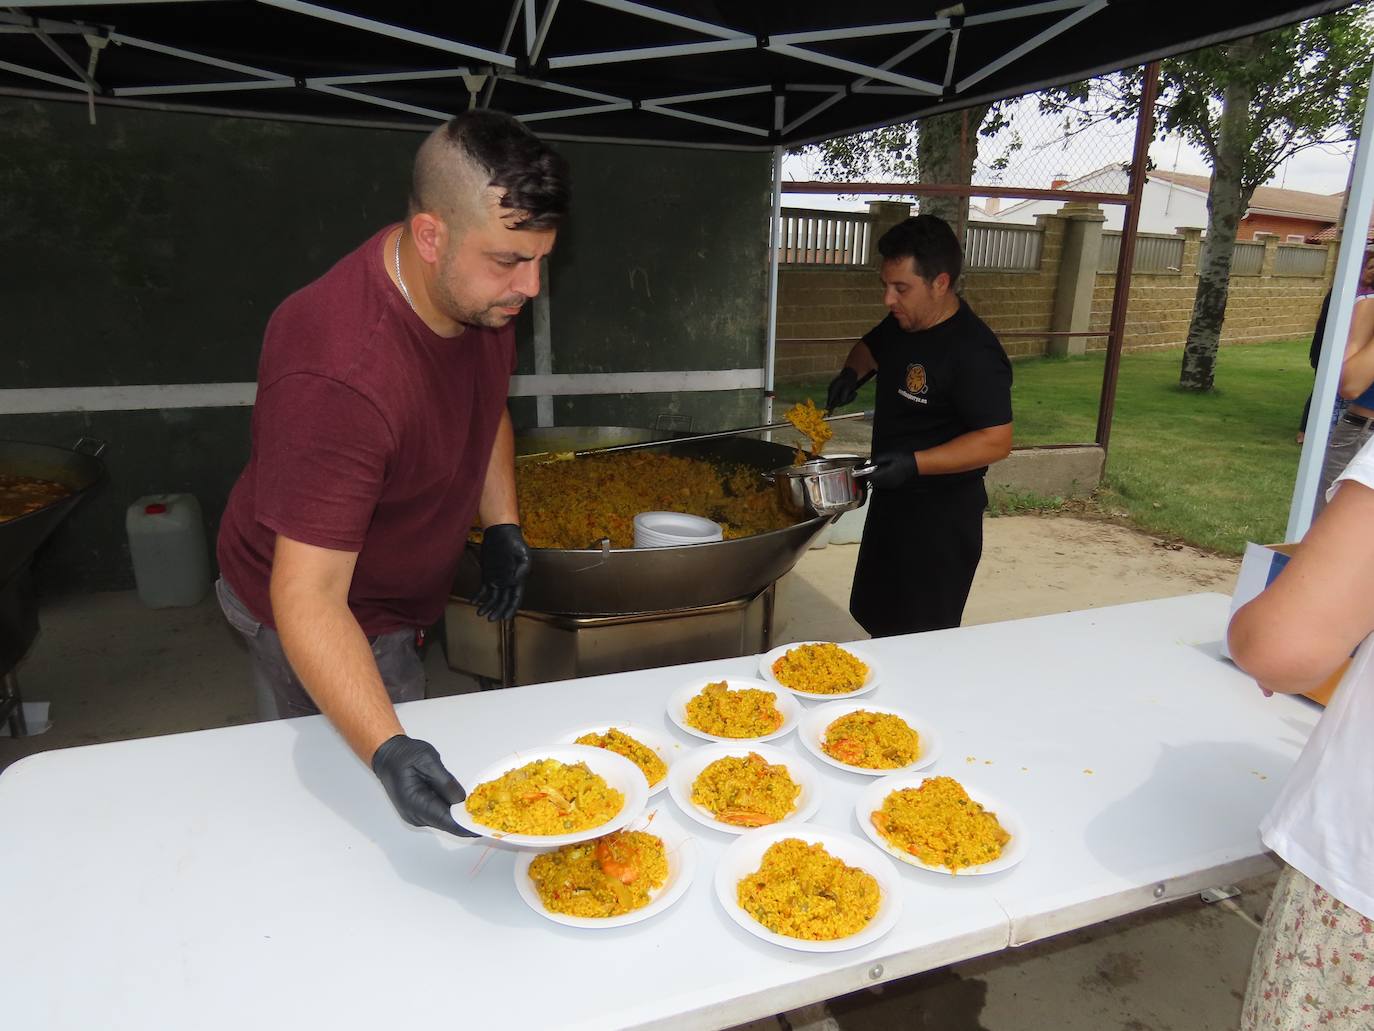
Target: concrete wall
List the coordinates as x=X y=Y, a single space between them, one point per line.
x=152 y=247
x=821 y=312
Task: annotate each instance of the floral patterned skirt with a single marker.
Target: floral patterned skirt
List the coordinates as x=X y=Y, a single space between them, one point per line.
x=1313 y=965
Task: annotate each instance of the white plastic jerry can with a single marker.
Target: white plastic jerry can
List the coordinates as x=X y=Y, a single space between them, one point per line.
x=167 y=544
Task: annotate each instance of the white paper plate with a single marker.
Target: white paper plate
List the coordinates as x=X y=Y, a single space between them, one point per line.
x=682 y=867
x=618 y=771
x=787 y=705
x=658 y=742
x=871 y=800
x=686 y=770
x=870 y=684
x=744 y=856
x=811 y=733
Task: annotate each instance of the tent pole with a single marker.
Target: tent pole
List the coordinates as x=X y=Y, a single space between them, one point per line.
x=1354 y=231
x=774 y=233
x=1116 y=333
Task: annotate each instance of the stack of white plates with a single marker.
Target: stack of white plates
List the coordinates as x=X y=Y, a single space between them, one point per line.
x=672 y=529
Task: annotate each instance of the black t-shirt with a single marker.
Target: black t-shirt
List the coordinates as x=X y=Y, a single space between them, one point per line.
x=937 y=384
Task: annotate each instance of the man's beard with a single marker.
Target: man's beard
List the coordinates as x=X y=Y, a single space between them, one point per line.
x=488 y=316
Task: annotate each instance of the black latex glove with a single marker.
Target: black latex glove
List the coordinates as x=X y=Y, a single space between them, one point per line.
x=894 y=469
x=417 y=783
x=505 y=563
x=843 y=389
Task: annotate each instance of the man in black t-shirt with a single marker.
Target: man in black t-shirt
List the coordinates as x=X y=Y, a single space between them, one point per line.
x=943 y=415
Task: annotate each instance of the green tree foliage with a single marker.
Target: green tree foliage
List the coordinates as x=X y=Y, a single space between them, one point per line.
x=1249 y=106
x=942 y=148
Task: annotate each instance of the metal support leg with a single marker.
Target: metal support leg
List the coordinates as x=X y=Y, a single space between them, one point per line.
x=770 y=597
x=12 y=702
x=508 y=653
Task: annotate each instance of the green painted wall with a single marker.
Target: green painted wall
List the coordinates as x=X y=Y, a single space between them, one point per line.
x=152 y=247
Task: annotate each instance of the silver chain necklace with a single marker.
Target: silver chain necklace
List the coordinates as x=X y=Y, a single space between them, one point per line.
x=400 y=279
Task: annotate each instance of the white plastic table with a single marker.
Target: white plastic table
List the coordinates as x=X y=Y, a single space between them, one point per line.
x=256 y=876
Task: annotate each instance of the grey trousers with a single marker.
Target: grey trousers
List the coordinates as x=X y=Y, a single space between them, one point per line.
x=280 y=694
x=1344 y=443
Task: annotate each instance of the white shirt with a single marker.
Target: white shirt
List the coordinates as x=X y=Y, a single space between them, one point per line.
x=1323 y=821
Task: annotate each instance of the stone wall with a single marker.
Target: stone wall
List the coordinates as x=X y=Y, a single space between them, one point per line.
x=1258 y=308
x=821 y=312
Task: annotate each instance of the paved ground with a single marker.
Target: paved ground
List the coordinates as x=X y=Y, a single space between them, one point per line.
x=112 y=669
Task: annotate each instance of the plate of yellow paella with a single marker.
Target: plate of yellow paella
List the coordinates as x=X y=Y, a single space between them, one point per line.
x=820 y=670
x=939 y=824
x=743 y=786
x=617 y=879
x=809 y=888
x=872 y=739
x=651 y=750
x=551 y=796
x=729 y=709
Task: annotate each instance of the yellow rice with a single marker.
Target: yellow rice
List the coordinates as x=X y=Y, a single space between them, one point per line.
x=607 y=877
x=746 y=791
x=545 y=797
x=820 y=669
x=653 y=768
x=810 y=422
x=803 y=891
x=872 y=740
x=722 y=712
x=574 y=504
x=941 y=825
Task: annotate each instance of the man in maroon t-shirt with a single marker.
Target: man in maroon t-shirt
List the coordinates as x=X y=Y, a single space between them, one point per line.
x=380 y=431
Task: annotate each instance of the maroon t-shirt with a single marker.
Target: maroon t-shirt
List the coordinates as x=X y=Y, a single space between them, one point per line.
x=371 y=434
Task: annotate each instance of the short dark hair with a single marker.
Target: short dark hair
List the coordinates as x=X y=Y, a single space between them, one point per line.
x=930 y=244
x=532 y=175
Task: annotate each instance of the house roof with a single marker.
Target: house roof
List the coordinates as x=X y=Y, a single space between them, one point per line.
x=695 y=72
x=1268 y=200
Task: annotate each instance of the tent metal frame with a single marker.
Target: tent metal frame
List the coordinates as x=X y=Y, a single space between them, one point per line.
x=486 y=67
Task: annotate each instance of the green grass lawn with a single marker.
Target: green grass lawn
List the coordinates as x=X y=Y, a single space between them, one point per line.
x=1214 y=470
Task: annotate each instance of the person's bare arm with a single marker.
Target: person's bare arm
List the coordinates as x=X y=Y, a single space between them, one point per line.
x=325 y=645
x=1357 y=370
x=861 y=360
x=971 y=450
x=498 y=504
x=1308 y=621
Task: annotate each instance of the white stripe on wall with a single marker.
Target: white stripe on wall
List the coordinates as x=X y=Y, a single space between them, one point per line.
x=146 y=397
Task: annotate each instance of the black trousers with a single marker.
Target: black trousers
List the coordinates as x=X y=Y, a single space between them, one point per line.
x=919 y=552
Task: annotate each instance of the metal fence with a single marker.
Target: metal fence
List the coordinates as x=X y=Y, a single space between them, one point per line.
x=1153 y=253
x=1299 y=260
x=1003 y=247
x=815 y=237
x=1247 y=259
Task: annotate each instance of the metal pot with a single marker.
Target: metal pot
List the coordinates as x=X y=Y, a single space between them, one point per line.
x=77 y=469
x=606 y=580
x=822 y=486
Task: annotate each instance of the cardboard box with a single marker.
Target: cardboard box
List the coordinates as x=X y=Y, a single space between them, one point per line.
x=1258 y=569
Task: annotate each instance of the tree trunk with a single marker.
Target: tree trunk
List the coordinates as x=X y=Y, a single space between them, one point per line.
x=1226 y=203
x=945 y=155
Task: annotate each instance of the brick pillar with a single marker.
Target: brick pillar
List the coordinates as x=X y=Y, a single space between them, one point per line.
x=1192 y=245
x=1271 y=253
x=1073 y=292
x=1333 y=249
x=883 y=215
